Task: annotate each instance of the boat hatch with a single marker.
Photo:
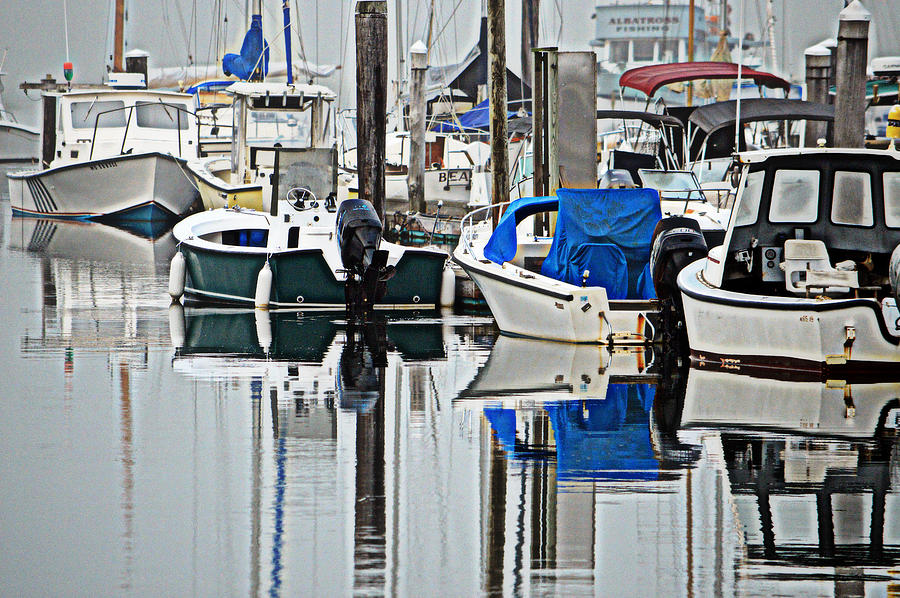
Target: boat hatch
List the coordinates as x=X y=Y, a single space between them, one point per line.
x=251 y=237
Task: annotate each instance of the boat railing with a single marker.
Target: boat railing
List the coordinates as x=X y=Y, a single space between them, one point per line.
x=469 y=219
x=8 y=116
x=130 y=110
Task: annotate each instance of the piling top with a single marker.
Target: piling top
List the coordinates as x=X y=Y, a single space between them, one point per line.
x=371 y=7
x=828 y=43
x=855 y=11
x=817 y=50
x=137 y=53
x=418 y=55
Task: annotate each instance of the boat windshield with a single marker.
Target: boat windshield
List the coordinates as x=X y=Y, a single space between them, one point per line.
x=288 y=128
x=672 y=184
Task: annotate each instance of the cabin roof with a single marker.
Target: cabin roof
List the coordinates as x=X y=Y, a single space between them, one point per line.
x=260 y=89
x=109 y=91
x=763 y=155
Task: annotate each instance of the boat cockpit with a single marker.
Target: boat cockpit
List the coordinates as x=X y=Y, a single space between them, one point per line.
x=812 y=222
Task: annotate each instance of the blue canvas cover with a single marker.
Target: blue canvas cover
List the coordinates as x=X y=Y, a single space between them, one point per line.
x=477 y=118
x=501 y=247
x=242 y=65
x=624 y=218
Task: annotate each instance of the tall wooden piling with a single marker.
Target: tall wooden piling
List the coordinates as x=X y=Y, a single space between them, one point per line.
x=531 y=11
x=850 y=99
x=416 y=177
x=371 y=99
x=497 y=95
x=818 y=67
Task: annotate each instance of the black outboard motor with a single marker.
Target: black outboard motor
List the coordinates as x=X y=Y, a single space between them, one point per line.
x=677 y=241
x=358 y=234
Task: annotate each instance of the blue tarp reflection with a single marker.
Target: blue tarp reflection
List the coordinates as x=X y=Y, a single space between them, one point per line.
x=596 y=439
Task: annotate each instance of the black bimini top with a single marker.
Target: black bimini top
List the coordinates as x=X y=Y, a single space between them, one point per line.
x=712 y=117
x=653 y=119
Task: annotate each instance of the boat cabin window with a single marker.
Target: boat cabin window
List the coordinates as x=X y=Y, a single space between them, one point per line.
x=288 y=128
x=748 y=208
x=797 y=193
x=851 y=200
x=84 y=114
x=156 y=115
x=434 y=153
x=891 y=182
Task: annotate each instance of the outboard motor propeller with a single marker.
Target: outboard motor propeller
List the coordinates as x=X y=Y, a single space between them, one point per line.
x=677 y=241
x=358 y=234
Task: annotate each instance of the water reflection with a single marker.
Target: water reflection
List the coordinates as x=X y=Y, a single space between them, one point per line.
x=288 y=453
x=812 y=470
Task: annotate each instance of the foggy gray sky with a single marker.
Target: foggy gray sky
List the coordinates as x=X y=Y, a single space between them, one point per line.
x=34 y=34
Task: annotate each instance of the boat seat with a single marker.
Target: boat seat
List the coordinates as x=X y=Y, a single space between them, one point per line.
x=807 y=266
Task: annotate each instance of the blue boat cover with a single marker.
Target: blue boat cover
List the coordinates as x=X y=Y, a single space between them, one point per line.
x=242 y=65
x=624 y=218
x=477 y=118
x=501 y=247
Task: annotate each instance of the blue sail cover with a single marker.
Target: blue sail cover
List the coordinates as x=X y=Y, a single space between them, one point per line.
x=242 y=65
x=474 y=119
x=599 y=229
x=501 y=247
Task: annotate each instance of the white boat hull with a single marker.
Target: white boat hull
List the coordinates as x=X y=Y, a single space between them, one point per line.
x=131 y=187
x=737 y=330
x=18 y=142
x=531 y=305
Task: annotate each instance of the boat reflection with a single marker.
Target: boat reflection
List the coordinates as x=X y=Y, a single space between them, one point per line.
x=342 y=415
x=98 y=286
x=813 y=470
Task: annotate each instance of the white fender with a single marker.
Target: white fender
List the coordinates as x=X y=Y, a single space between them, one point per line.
x=176 y=276
x=263 y=330
x=263 y=287
x=176 y=325
x=448 y=287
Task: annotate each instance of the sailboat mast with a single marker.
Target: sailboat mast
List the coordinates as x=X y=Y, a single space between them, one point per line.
x=690 y=87
x=119 y=36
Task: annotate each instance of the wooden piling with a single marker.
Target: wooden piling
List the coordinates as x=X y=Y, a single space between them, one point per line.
x=818 y=67
x=416 y=176
x=371 y=99
x=850 y=99
x=531 y=11
x=497 y=94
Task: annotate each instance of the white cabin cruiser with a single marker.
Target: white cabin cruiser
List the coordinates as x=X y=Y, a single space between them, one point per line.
x=112 y=154
x=588 y=283
x=266 y=115
x=801 y=281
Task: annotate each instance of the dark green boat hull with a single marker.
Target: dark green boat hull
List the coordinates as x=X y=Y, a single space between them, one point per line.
x=302 y=278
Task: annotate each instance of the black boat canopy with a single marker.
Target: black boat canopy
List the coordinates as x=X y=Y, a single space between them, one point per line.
x=653 y=119
x=712 y=117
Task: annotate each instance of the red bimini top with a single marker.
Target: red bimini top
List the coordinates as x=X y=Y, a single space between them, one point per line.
x=649 y=79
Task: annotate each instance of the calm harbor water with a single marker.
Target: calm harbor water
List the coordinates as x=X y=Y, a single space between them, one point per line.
x=293 y=454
